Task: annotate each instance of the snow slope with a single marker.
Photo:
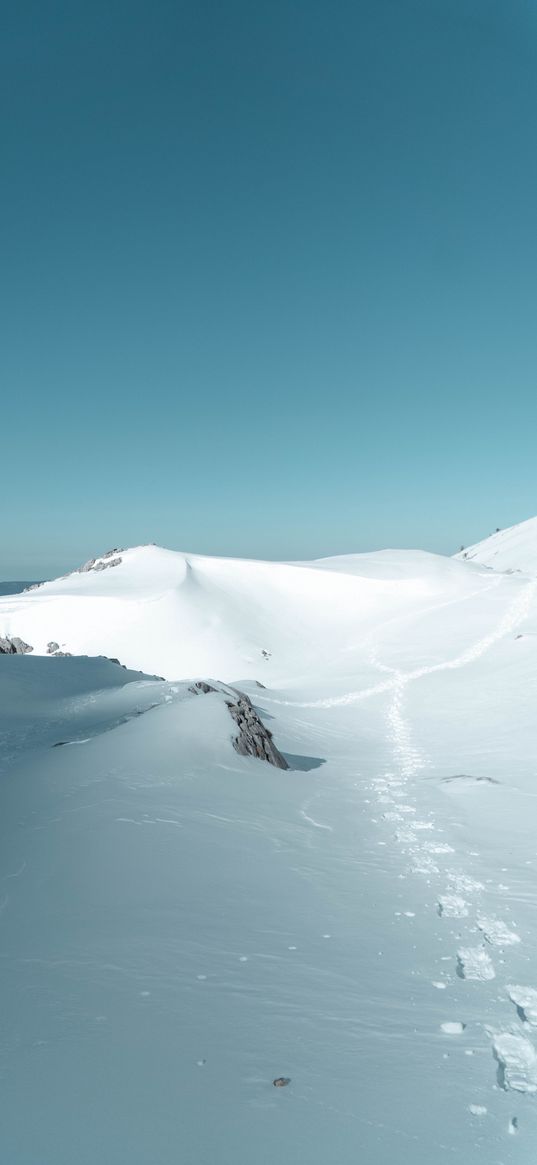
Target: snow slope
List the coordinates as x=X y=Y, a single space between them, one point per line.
x=507 y=550
x=181 y=925
x=181 y=615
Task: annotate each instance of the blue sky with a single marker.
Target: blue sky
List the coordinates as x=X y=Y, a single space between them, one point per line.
x=269 y=279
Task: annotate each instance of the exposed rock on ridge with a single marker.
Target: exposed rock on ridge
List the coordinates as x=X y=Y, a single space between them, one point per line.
x=14 y=646
x=102 y=562
x=253 y=738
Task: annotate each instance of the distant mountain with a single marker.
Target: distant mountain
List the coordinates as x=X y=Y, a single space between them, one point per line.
x=507 y=550
x=14 y=588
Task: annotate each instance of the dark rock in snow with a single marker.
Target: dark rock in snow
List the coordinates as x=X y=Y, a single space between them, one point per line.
x=14 y=646
x=253 y=738
x=105 y=565
x=103 y=562
x=201 y=686
x=52 y=646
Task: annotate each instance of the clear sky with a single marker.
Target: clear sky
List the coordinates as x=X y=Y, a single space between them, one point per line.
x=269 y=275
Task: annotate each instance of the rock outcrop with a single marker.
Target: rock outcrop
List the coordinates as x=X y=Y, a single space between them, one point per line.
x=13 y=645
x=103 y=562
x=109 y=562
x=253 y=738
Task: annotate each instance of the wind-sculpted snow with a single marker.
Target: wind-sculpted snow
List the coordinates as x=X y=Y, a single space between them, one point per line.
x=182 y=926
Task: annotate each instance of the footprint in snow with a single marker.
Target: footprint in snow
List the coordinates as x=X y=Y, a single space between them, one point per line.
x=452 y=906
x=424 y=865
x=496 y=932
x=463 y=884
x=525 y=1001
x=438 y=847
x=474 y=963
x=517 y=1062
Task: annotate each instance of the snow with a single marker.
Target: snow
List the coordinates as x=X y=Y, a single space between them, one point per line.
x=181 y=926
x=452 y=906
x=174 y=614
x=497 y=932
x=514 y=549
x=525 y=1000
x=475 y=963
x=517 y=1059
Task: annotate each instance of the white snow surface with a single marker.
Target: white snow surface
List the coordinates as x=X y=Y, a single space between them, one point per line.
x=513 y=549
x=182 y=925
x=517 y=1059
x=179 y=615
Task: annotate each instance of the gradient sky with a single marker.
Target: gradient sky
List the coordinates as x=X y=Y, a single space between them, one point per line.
x=269 y=275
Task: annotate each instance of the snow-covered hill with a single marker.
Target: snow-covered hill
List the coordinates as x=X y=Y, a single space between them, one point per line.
x=182 y=615
x=182 y=925
x=507 y=550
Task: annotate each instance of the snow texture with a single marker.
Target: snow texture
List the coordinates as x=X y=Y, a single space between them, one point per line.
x=183 y=925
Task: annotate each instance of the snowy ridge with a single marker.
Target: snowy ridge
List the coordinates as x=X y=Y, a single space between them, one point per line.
x=514 y=549
x=185 y=615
